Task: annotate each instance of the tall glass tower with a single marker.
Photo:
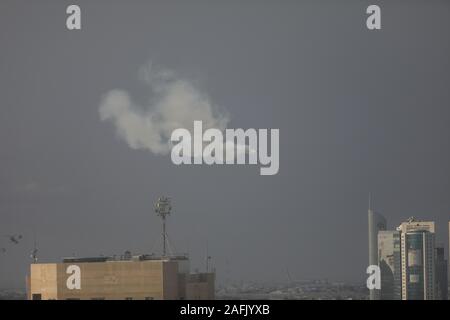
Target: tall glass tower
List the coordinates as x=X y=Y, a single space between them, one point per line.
x=389 y=261
x=441 y=274
x=376 y=223
x=418 y=260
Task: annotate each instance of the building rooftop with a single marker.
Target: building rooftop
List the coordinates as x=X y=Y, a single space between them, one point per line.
x=125 y=257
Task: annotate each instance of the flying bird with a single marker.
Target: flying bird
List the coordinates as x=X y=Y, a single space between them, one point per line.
x=15 y=238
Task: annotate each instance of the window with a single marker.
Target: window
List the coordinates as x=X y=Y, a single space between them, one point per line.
x=36 y=296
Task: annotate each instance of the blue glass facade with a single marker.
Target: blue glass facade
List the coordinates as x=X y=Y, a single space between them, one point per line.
x=415 y=268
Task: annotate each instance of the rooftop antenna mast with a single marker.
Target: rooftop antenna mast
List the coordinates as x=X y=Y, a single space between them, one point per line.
x=162 y=209
x=208 y=259
x=35 y=251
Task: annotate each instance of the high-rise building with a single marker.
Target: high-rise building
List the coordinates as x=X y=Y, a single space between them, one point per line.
x=418 y=259
x=441 y=275
x=389 y=261
x=376 y=223
x=143 y=277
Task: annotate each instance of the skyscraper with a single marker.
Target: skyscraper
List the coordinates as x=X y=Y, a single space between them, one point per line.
x=418 y=259
x=441 y=275
x=376 y=223
x=389 y=261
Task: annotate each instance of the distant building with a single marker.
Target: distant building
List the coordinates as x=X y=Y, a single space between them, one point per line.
x=441 y=275
x=376 y=223
x=389 y=257
x=144 y=277
x=418 y=260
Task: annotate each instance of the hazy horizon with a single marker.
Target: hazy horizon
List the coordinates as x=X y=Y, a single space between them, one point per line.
x=358 y=111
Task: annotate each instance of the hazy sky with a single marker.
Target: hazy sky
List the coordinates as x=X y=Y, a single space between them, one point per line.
x=359 y=111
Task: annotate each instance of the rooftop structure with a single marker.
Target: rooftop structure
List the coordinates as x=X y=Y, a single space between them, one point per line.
x=118 y=277
x=142 y=277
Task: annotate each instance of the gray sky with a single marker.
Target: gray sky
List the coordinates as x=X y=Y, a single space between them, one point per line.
x=359 y=111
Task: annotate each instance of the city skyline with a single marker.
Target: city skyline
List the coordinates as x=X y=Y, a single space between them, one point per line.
x=411 y=266
x=383 y=234
x=358 y=111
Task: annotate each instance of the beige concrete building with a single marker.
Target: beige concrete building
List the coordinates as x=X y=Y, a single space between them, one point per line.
x=144 y=277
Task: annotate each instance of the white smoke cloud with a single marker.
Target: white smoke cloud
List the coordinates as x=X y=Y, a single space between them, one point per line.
x=173 y=103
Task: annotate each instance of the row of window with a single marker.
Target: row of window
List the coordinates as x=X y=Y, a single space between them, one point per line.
x=38 y=296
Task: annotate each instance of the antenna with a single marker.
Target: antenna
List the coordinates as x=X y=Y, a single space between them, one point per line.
x=35 y=251
x=208 y=258
x=288 y=275
x=162 y=209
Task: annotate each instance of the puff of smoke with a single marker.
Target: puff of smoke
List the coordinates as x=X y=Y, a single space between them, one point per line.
x=173 y=103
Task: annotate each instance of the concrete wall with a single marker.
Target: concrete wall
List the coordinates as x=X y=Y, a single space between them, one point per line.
x=43 y=281
x=117 y=280
x=200 y=286
x=120 y=280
